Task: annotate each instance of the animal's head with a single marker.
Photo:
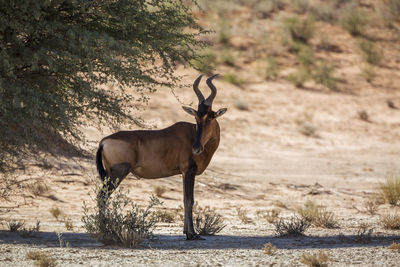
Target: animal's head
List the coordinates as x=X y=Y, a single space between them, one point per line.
x=204 y=115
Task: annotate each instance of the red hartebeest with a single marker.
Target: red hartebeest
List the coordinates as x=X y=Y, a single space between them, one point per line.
x=183 y=148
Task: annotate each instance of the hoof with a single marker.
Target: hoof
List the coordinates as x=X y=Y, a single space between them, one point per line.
x=194 y=237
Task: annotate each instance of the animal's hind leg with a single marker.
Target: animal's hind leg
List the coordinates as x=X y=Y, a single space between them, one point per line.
x=117 y=173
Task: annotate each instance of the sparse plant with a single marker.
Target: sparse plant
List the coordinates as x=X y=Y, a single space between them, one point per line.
x=293 y=226
x=61 y=241
x=305 y=56
x=371 y=207
x=241 y=105
x=315 y=260
x=42 y=259
x=308 y=129
x=318 y=216
x=395 y=246
x=228 y=58
x=37 y=188
x=118 y=220
x=270 y=249
x=56 y=212
x=390 y=189
x=301 y=6
x=390 y=12
x=353 y=19
x=390 y=221
x=324 y=12
x=372 y=54
x=159 y=191
x=324 y=75
x=368 y=72
x=299 y=77
x=270 y=215
x=233 y=79
x=207 y=221
x=363 y=115
x=165 y=216
x=272 y=70
x=266 y=8
x=14 y=226
x=224 y=33
x=242 y=215
x=299 y=30
x=68 y=224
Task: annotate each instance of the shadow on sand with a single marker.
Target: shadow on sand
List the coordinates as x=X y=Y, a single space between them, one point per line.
x=178 y=242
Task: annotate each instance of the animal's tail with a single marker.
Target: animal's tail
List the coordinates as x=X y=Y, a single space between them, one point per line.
x=100 y=168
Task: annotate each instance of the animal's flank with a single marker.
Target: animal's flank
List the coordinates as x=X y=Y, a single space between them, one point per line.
x=99 y=163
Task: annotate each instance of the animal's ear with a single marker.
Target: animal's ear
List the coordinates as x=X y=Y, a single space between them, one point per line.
x=220 y=112
x=190 y=111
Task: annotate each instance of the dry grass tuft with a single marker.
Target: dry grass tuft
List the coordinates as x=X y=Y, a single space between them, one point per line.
x=42 y=259
x=371 y=207
x=68 y=224
x=270 y=249
x=391 y=222
x=242 y=214
x=37 y=188
x=315 y=260
x=207 y=221
x=353 y=19
x=56 y=212
x=166 y=216
x=30 y=231
x=159 y=191
x=270 y=215
x=294 y=226
x=395 y=247
x=318 y=216
x=390 y=189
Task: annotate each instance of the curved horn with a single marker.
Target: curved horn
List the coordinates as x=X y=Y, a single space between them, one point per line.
x=210 y=99
x=196 y=89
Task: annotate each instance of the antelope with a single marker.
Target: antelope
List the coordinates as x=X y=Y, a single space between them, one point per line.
x=182 y=148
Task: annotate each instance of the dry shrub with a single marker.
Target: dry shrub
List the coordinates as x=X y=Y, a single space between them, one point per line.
x=353 y=19
x=68 y=224
x=242 y=215
x=207 y=221
x=270 y=215
x=14 y=226
x=272 y=71
x=299 y=77
x=293 y=226
x=270 y=249
x=165 y=216
x=159 y=191
x=118 y=221
x=390 y=189
x=56 y=212
x=298 y=30
x=42 y=259
x=233 y=78
x=363 y=115
x=318 y=216
x=37 y=188
x=206 y=62
x=394 y=247
x=241 y=105
x=30 y=231
x=364 y=234
x=371 y=207
x=390 y=221
x=372 y=54
x=323 y=74
x=368 y=72
x=315 y=260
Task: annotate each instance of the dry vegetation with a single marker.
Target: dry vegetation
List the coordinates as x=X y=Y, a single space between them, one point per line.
x=315 y=260
x=270 y=249
x=41 y=259
x=293 y=226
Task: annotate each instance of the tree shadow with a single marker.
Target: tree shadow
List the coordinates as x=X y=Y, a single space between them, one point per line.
x=178 y=242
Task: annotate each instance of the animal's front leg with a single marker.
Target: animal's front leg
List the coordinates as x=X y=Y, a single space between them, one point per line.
x=188 y=200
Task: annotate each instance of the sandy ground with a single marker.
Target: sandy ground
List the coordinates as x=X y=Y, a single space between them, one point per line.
x=264 y=161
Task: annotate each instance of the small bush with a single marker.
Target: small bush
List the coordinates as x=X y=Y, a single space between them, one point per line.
x=301 y=6
x=228 y=58
x=364 y=234
x=391 y=222
x=241 y=105
x=371 y=207
x=165 y=216
x=30 y=231
x=207 y=221
x=395 y=247
x=272 y=70
x=318 y=216
x=324 y=75
x=390 y=12
x=42 y=259
x=206 y=62
x=119 y=221
x=56 y=212
x=305 y=56
x=324 y=12
x=270 y=215
x=270 y=249
x=14 y=226
x=315 y=260
x=299 y=30
x=224 y=33
x=353 y=19
x=299 y=77
x=372 y=55
x=68 y=224
x=266 y=8
x=233 y=79
x=390 y=189
x=291 y=227
x=368 y=72
x=242 y=215
x=37 y=188
x=159 y=191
